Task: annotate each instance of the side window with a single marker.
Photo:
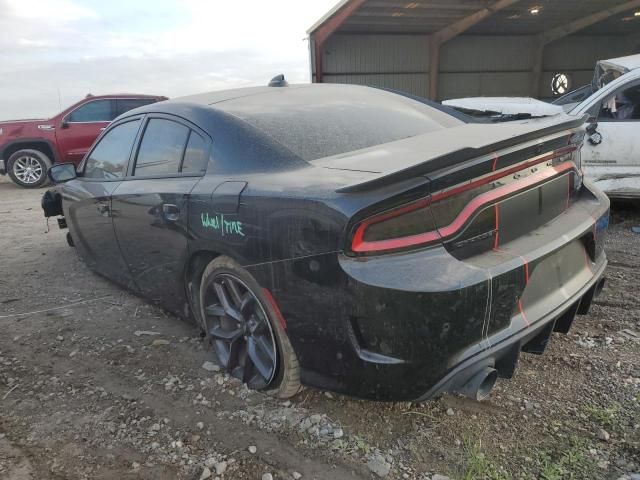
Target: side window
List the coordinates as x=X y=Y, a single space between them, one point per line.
x=123 y=105
x=161 y=148
x=624 y=105
x=108 y=160
x=96 y=111
x=195 y=156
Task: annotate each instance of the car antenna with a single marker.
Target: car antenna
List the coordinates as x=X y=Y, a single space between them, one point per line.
x=278 y=81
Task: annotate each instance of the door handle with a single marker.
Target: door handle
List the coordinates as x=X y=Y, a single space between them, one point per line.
x=170 y=212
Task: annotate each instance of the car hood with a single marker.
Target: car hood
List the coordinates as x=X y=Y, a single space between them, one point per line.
x=623 y=64
x=505 y=106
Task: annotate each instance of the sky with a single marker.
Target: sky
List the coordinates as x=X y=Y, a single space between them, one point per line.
x=54 y=52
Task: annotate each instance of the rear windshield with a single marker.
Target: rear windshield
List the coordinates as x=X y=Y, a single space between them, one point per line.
x=320 y=121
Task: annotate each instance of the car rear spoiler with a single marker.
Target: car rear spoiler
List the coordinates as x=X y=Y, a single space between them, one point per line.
x=457 y=157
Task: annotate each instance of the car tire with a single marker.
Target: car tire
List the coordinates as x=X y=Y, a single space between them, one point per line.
x=260 y=353
x=28 y=168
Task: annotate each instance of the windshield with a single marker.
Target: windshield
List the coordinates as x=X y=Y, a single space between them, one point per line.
x=575 y=96
x=604 y=75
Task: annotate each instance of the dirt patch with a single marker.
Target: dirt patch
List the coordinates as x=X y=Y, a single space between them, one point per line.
x=87 y=392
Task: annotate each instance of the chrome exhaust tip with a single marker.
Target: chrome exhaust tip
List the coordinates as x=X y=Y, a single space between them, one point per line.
x=480 y=385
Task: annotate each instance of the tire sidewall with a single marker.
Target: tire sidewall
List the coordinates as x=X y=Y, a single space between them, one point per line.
x=42 y=159
x=223 y=264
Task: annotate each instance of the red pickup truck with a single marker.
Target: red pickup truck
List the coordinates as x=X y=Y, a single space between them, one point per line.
x=28 y=148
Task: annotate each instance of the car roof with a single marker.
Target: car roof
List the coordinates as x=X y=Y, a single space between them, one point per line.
x=295 y=121
x=211 y=98
x=298 y=97
x=112 y=96
x=245 y=102
x=122 y=95
x=303 y=93
x=296 y=94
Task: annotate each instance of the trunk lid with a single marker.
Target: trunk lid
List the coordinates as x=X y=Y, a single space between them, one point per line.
x=483 y=180
x=431 y=152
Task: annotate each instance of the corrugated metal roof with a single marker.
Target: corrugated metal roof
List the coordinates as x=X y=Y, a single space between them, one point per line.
x=517 y=19
x=428 y=16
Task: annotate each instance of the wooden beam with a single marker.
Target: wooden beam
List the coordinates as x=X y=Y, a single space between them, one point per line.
x=584 y=22
x=434 y=68
x=367 y=12
x=469 y=21
x=536 y=72
x=543 y=39
x=399 y=22
x=317 y=57
x=430 y=5
x=328 y=28
x=442 y=36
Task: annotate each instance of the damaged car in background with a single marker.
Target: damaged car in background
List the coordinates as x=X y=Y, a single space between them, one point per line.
x=611 y=154
x=344 y=237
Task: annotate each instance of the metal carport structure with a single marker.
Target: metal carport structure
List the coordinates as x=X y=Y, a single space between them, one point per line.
x=454 y=48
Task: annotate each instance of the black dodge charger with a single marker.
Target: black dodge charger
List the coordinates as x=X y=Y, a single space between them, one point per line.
x=344 y=237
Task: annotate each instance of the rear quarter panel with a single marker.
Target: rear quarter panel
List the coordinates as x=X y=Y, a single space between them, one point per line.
x=264 y=222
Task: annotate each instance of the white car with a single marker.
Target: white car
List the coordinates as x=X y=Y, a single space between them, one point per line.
x=611 y=154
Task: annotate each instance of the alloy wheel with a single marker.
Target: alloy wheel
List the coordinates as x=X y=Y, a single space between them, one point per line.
x=240 y=331
x=27 y=169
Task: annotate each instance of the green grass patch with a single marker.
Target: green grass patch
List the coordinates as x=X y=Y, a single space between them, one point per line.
x=606 y=417
x=362 y=445
x=571 y=463
x=478 y=466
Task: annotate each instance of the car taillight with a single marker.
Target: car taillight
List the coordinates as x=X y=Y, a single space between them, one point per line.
x=402 y=227
x=446 y=213
x=576 y=140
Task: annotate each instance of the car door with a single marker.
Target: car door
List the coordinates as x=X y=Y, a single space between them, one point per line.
x=612 y=155
x=150 y=207
x=80 y=128
x=87 y=201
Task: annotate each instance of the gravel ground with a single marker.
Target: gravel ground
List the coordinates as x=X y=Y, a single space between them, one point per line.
x=97 y=384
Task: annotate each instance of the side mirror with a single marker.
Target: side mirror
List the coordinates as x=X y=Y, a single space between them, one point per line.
x=62 y=172
x=593 y=136
x=64 y=124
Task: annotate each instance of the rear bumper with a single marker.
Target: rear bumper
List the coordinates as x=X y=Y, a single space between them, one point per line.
x=504 y=353
x=413 y=325
x=426 y=344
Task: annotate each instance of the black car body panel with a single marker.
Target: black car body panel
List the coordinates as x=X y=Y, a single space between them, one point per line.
x=514 y=249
